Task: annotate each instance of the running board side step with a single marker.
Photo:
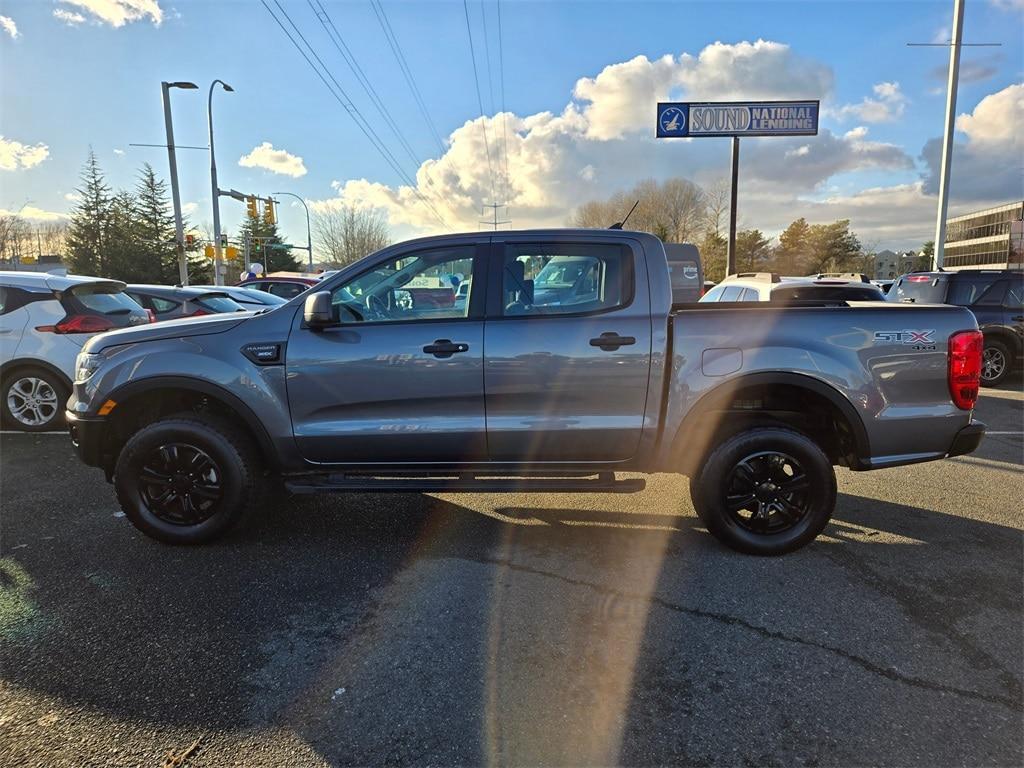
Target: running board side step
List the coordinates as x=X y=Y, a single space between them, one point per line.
x=603 y=482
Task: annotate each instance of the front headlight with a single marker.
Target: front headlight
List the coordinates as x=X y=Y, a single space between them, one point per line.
x=86 y=364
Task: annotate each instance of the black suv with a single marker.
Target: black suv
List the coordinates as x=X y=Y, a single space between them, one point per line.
x=995 y=296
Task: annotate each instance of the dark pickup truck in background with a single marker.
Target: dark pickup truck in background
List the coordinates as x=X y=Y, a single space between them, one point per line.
x=356 y=386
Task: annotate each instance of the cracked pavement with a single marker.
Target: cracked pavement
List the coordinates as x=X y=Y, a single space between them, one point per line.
x=531 y=629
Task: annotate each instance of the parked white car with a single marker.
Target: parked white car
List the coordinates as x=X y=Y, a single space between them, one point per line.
x=44 y=321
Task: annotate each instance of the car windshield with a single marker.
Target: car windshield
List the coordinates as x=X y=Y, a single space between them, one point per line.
x=108 y=301
x=216 y=303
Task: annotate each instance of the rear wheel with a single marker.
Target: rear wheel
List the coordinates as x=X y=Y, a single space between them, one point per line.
x=186 y=479
x=33 y=400
x=995 y=363
x=766 y=491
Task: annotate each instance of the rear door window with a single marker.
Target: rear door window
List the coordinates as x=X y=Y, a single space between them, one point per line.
x=286 y=290
x=731 y=293
x=965 y=291
x=219 y=304
x=749 y=294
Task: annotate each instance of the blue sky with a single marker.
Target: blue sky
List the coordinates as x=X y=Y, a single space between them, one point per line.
x=579 y=101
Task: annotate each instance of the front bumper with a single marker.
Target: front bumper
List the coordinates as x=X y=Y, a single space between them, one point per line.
x=87 y=436
x=967 y=439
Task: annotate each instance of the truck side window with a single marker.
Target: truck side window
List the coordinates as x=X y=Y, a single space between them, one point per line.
x=419 y=286
x=1015 y=294
x=565 y=278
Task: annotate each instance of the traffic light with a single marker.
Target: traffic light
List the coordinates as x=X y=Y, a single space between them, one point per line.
x=190 y=241
x=268 y=211
x=223 y=241
x=250 y=207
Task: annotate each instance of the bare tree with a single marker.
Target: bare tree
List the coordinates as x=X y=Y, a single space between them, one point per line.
x=673 y=209
x=346 y=234
x=716 y=204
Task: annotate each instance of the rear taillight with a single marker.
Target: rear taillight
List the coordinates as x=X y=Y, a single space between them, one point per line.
x=199 y=312
x=919 y=279
x=964 y=373
x=151 y=315
x=79 y=324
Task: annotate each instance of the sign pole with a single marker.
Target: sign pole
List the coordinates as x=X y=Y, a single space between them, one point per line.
x=730 y=265
x=939 y=252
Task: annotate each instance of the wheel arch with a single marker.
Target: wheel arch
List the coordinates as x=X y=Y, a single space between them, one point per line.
x=699 y=429
x=127 y=397
x=10 y=366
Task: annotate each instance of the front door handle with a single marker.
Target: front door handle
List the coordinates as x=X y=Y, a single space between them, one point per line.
x=444 y=348
x=610 y=342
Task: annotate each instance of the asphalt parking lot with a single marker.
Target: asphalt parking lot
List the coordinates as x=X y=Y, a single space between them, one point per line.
x=529 y=629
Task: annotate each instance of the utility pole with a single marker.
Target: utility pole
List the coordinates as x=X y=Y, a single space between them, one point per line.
x=494 y=221
x=947 y=140
x=179 y=226
x=218 y=258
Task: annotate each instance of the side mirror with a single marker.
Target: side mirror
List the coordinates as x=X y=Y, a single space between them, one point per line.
x=317 y=311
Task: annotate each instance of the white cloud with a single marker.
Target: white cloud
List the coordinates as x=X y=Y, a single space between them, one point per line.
x=15 y=155
x=274 y=160
x=34 y=214
x=116 y=13
x=72 y=197
x=118 y=151
x=7 y=25
x=887 y=105
x=189 y=208
x=989 y=164
x=1008 y=5
x=68 y=17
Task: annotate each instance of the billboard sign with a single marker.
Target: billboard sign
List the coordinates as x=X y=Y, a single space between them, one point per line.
x=737 y=118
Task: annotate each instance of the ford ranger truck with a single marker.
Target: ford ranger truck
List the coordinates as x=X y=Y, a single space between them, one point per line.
x=381 y=379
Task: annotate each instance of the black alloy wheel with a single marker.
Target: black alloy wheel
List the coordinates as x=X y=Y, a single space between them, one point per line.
x=766 y=492
x=180 y=484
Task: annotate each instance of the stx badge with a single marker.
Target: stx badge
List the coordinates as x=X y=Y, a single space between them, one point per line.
x=916 y=340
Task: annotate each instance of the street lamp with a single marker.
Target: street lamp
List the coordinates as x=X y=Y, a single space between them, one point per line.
x=309 y=237
x=179 y=227
x=217 y=260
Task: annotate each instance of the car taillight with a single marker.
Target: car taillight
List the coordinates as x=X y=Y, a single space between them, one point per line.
x=919 y=279
x=151 y=315
x=79 y=324
x=964 y=373
x=200 y=312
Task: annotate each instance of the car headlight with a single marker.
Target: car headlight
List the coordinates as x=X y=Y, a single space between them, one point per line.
x=86 y=364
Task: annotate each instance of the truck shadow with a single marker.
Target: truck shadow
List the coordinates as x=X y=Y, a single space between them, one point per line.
x=469 y=629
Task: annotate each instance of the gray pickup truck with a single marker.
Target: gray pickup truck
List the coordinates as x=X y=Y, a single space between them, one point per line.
x=380 y=380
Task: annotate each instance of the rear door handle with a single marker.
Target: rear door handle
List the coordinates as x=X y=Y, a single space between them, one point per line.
x=610 y=342
x=443 y=348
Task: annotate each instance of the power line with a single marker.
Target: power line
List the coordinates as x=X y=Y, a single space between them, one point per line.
x=342 y=98
x=332 y=31
x=504 y=119
x=479 y=100
x=403 y=65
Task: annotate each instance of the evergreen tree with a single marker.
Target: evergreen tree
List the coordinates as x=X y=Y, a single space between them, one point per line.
x=753 y=251
x=87 y=229
x=713 y=250
x=263 y=236
x=122 y=244
x=793 y=253
x=157 y=260
x=834 y=248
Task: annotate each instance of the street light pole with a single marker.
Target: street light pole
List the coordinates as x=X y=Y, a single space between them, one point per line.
x=309 y=236
x=947 y=140
x=179 y=226
x=218 y=278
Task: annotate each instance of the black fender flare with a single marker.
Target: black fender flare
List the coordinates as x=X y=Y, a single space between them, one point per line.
x=31 y=362
x=132 y=389
x=862 y=445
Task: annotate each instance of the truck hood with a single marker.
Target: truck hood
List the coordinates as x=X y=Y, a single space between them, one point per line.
x=169 y=329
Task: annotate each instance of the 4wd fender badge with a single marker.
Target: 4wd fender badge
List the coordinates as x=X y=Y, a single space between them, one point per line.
x=919 y=340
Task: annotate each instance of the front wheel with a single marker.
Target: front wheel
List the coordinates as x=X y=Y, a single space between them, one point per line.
x=186 y=479
x=765 y=491
x=33 y=400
